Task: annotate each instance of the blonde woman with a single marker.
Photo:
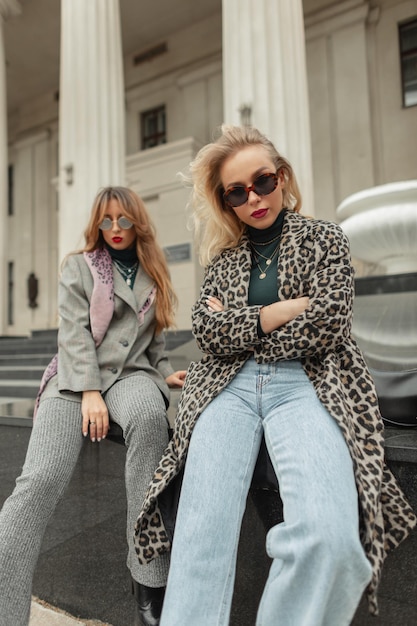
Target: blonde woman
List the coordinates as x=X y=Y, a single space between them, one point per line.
x=274 y=323
x=115 y=299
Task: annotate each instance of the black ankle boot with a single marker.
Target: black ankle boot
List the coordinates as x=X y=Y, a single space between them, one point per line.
x=148 y=604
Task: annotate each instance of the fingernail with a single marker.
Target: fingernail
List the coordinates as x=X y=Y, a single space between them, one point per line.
x=98 y=438
x=85 y=434
x=104 y=436
x=93 y=439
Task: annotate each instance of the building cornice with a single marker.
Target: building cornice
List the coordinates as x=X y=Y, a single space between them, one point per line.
x=336 y=17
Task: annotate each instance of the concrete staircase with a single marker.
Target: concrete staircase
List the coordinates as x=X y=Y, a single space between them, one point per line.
x=23 y=361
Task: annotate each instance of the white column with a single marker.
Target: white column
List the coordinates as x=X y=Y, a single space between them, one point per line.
x=91 y=131
x=265 y=78
x=8 y=8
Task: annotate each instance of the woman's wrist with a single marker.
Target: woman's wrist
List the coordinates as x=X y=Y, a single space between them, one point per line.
x=266 y=319
x=277 y=314
x=91 y=392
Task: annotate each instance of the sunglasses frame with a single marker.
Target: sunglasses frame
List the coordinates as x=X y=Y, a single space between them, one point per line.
x=226 y=194
x=109 y=221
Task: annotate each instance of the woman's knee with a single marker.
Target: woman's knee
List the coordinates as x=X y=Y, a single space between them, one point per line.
x=332 y=546
x=42 y=480
x=36 y=494
x=147 y=428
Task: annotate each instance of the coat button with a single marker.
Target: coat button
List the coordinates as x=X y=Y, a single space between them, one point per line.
x=113 y=370
x=124 y=343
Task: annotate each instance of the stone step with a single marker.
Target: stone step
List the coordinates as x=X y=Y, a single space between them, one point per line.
x=23 y=361
x=37 y=335
x=42 y=335
x=41 y=359
x=46 y=342
x=9 y=340
x=178 y=358
x=16 y=412
x=175 y=339
x=21 y=372
x=19 y=388
x=27 y=348
x=48 y=339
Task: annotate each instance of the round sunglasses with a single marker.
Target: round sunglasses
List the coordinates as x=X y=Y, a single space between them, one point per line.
x=122 y=223
x=263 y=185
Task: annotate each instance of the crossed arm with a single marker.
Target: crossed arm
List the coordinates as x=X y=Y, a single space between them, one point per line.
x=309 y=323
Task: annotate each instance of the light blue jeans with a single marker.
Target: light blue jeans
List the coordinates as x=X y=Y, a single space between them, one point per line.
x=319 y=569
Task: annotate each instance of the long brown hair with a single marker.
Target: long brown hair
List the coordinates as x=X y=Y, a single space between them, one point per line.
x=216 y=228
x=149 y=252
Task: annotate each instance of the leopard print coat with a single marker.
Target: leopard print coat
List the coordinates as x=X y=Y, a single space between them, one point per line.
x=314 y=261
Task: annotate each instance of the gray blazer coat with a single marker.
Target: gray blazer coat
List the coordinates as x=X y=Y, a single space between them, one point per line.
x=129 y=347
x=314 y=261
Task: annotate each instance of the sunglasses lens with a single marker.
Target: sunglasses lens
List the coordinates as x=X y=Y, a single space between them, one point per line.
x=262 y=186
x=236 y=196
x=124 y=223
x=106 y=224
x=265 y=184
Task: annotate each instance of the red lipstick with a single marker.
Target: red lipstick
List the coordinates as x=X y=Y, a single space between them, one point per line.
x=117 y=239
x=260 y=213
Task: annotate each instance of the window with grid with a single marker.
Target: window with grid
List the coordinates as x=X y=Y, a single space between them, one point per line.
x=408 y=53
x=153 y=127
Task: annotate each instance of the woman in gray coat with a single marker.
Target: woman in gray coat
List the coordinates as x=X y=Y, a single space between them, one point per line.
x=115 y=300
x=273 y=321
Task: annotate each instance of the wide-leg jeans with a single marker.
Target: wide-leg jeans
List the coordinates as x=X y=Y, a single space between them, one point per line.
x=319 y=569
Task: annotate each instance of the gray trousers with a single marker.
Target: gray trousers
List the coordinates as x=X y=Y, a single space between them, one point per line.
x=54 y=447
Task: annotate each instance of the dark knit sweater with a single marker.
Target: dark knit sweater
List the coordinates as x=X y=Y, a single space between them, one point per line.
x=264 y=291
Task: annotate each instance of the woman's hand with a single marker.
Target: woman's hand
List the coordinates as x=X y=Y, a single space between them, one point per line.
x=279 y=313
x=214 y=305
x=176 y=379
x=95 y=415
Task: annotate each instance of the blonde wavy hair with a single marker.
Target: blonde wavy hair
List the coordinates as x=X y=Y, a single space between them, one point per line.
x=216 y=227
x=149 y=253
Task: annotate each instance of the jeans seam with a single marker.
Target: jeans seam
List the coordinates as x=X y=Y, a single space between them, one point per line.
x=232 y=566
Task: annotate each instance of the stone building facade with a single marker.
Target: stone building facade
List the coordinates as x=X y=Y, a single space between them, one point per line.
x=121 y=92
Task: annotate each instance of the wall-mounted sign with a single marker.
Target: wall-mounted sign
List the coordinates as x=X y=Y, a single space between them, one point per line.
x=178 y=253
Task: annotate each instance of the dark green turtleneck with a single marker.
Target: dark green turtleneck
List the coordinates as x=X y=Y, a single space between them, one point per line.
x=264 y=291
x=124 y=258
x=127 y=256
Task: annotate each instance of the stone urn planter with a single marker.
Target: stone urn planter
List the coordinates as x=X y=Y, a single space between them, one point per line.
x=381 y=224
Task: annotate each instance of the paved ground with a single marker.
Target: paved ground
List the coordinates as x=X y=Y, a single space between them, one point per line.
x=82 y=569
x=42 y=614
